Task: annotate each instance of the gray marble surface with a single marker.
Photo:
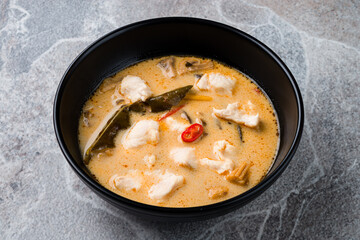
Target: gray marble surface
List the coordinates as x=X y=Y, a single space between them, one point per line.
x=317 y=197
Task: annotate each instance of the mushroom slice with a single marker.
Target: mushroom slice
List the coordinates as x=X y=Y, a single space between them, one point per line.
x=193 y=65
x=167 y=67
x=109 y=84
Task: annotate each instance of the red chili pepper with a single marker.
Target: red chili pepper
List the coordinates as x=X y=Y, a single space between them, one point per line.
x=171 y=112
x=192 y=133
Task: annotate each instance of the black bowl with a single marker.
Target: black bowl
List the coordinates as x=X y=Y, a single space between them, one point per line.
x=177 y=36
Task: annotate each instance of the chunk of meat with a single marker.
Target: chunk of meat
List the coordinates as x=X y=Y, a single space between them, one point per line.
x=242 y=114
x=217 y=192
x=132 y=181
x=192 y=65
x=135 y=89
x=169 y=183
x=240 y=174
x=167 y=67
x=225 y=153
x=223 y=150
x=140 y=133
x=175 y=125
x=184 y=156
x=216 y=82
x=202 y=83
x=217 y=165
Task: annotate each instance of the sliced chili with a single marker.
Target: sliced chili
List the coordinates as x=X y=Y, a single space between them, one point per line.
x=171 y=112
x=192 y=133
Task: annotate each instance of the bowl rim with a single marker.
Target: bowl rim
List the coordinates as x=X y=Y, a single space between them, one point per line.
x=175 y=211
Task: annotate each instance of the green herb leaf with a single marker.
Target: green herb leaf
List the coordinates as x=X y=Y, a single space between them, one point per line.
x=105 y=139
x=167 y=100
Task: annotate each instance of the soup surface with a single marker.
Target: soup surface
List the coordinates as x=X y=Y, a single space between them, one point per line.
x=219 y=141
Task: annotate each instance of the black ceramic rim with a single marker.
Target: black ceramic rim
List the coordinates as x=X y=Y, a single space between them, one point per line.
x=190 y=212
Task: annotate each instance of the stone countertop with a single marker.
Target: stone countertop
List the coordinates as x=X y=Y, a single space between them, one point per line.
x=317 y=197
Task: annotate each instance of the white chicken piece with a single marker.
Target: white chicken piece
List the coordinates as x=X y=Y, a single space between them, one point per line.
x=135 y=89
x=202 y=83
x=242 y=114
x=225 y=153
x=218 y=166
x=140 y=133
x=175 y=125
x=149 y=160
x=132 y=181
x=216 y=82
x=168 y=183
x=184 y=156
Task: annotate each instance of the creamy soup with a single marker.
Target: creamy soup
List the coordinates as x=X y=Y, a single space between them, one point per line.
x=213 y=138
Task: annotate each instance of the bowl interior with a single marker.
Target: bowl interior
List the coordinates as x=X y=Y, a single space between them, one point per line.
x=142 y=41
